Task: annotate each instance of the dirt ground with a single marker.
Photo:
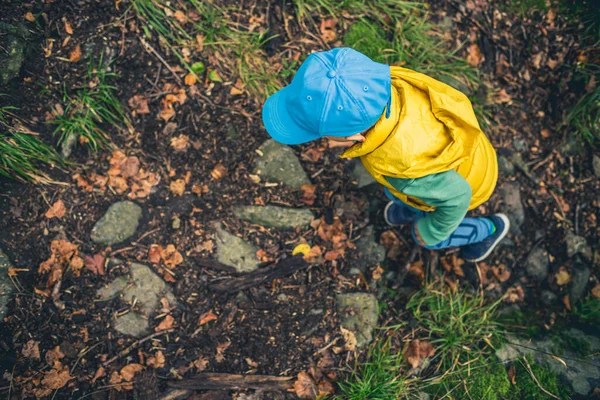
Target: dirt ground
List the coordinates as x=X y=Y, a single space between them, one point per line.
x=256 y=331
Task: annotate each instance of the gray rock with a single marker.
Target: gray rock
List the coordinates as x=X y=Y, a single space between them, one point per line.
x=275 y=217
x=577 y=245
x=359 y=313
x=581 y=375
x=67 y=145
x=596 y=165
x=520 y=145
x=371 y=253
x=118 y=224
x=6 y=285
x=548 y=297
x=234 y=251
x=571 y=146
x=361 y=176
x=12 y=55
x=280 y=164
x=505 y=166
x=142 y=285
x=511 y=197
x=537 y=264
x=581 y=277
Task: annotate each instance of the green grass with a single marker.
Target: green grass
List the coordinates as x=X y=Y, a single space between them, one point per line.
x=461 y=326
x=93 y=105
x=381 y=376
x=527 y=388
x=22 y=154
x=587 y=311
x=584 y=117
x=368 y=38
x=237 y=51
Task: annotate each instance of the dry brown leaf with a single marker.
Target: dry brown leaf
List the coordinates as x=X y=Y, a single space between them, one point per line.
x=57 y=377
x=512 y=375
x=221 y=347
x=417 y=351
x=501 y=272
x=312 y=154
x=305 y=387
x=392 y=244
x=139 y=104
x=57 y=210
x=596 y=291
x=171 y=257
x=100 y=372
x=207 y=245
x=201 y=363
x=308 y=194
x=180 y=16
x=562 y=276
x=474 y=57
x=177 y=187
x=416 y=269
x=154 y=253
x=325 y=389
x=199 y=189
x=75 y=55
x=31 y=349
x=76 y=264
x=53 y=355
x=128 y=372
x=68 y=27
x=567 y=302
x=207 y=317
x=314 y=255
x=180 y=143
x=190 y=79
x=95 y=263
x=29 y=16
x=118 y=184
x=514 y=294
x=167 y=113
x=349 y=339
x=158 y=361
x=166 y=323
x=377 y=273
x=218 y=172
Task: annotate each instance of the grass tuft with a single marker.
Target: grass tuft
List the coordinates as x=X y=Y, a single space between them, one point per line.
x=22 y=154
x=460 y=325
x=91 y=106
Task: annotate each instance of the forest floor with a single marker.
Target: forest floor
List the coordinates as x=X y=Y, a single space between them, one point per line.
x=189 y=150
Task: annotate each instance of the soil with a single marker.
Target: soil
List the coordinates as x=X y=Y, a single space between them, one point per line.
x=267 y=335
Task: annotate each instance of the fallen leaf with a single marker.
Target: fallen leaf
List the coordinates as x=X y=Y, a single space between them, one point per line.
x=453 y=264
x=95 y=263
x=562 y=276
x=417 y=351
x=177 y=187
x=514 y=294
x=167 y=113
x=474 y=57
x=221 y=347
x=139 y=104
x=308 y=194
x=512 y=375
x=302 y=248
x=416 y=269
x=325 y=389
x=567 y=302
x=501 y=272
x=392 y=244
x=218 y=172
x=305 y=387
x=190 y=79
x=57 y=377
x=31 y=349
x=314 y=255
x=158 y=361
x=75 y=55
x=68 y=27
x=166 y=323
x=213 y=75
x=312 y=154
x=100 y=372
x=128 y=372
x=262 y=256
x=596 y=291
x=201 y=363
x=349 y=339
x=180 y=16
x=377 y=273
x=180 y=143
x=154 y=253
x=171 y=257
x=57 y=210
x=29 y=16
x=54 y=355
x=207 y=317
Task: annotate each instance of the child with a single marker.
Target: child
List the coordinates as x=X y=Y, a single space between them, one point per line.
x=416 y=136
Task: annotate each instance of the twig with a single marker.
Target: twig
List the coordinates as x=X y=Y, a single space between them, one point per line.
x=536 y=380
x=83 y=354
x=136 y=344
x=151 y=49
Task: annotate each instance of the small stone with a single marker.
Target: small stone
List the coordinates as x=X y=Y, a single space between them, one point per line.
x=577 y=245
x=505 y=167
x=275 y=217
x=66 y=147
x=354 y=271
x=280 y=164
x=537 y=264
x=520 y=145
x=548 y=297
x=282 y=297
x=176 y=223
x=146 y=288
x=6 y=286
x=12 y=55
x=118 y=224
x=361 y=176
x=581 y=277
x=234 y=251
x=596 y=165
x=511 y=197
x=359 y=313
x=233 y=133
x=371 y=253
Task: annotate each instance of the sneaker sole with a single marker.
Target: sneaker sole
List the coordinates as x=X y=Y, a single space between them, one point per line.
x=385 y=210
x=493 y=246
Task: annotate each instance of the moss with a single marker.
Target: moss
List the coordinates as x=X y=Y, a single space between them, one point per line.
x=562 y=341
x=488 y=381
x=526 y=387
x=369 y=39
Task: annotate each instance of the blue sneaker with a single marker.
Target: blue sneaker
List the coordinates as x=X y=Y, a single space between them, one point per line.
x=396 y=215
x=479 y=251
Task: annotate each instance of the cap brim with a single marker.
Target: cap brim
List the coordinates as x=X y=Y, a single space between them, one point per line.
x=279 y=122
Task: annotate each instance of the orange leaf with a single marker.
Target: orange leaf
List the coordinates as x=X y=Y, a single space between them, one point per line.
x=166 y=323
x=171 y=257
x=305 y=387
x=177 y=187
x=139 y=104
x=129 y=371
x=57 y=377
x=596 y=291
x=417 y=351
x=68 y=27
x=75 y=55
x=207 y=317
x=475 y=57
x=29 y=16
x=190 y=79
x=154 y=253
x=180 y=143
x=57 y=210
x=158 y=361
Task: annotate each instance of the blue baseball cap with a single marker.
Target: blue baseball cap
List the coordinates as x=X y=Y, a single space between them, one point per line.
x=339 y=92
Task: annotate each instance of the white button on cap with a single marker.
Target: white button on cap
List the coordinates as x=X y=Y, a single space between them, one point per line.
x=331 y=74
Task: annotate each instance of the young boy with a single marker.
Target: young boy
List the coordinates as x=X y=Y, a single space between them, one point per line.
x=416 y=136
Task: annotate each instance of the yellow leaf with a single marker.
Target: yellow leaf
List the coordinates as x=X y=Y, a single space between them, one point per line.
x=562 y=276
x=302 y=248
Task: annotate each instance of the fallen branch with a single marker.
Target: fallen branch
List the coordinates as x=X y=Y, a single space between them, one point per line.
x=216 y=381
x=212 y=264
x=134 y=345
x=255 y=278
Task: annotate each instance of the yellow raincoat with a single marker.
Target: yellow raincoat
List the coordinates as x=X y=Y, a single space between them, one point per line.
x=431 y=128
